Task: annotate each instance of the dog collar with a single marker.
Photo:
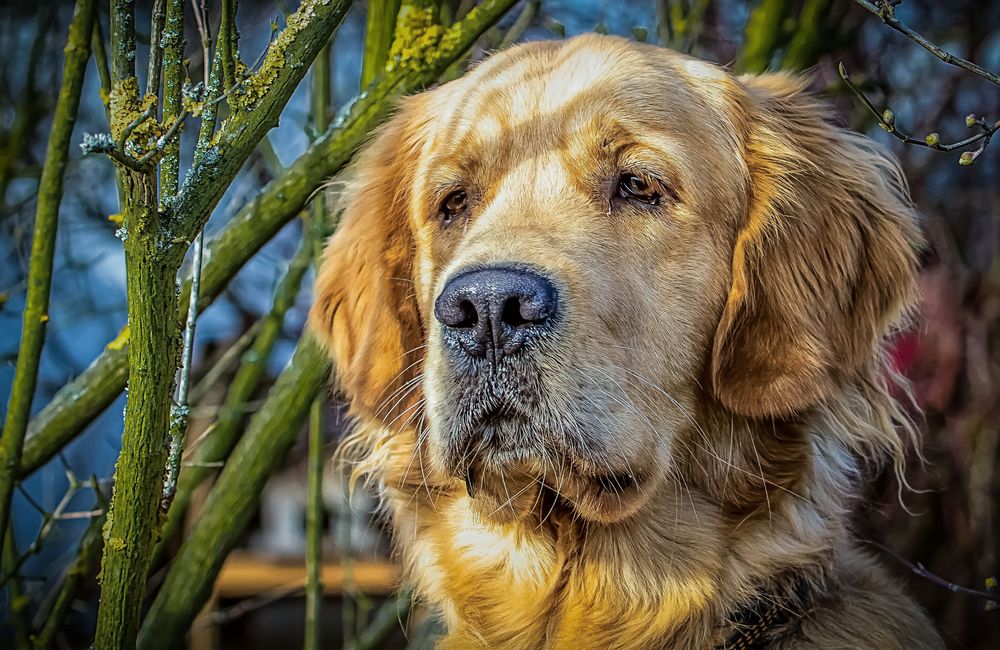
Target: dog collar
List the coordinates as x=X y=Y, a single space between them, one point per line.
x=773 y=614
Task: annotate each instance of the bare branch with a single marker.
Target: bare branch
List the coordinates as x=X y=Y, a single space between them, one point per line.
x=886 y=10
x=887 y=120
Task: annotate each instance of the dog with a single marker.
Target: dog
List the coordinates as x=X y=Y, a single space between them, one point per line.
x=612 y=324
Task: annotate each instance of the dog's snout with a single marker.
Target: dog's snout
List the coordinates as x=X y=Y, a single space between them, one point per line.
x=495 y=311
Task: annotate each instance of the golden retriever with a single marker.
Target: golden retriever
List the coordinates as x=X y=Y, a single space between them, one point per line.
x=611 y=322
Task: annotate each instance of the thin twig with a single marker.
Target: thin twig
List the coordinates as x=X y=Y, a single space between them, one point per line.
x=205 y=34
x=215 y=444
x=224 y=363
x=49 y=519
x=82 y=566
x=158 y=16
x=181 y=409
x=77 y=404
x=887 y=120
x=919 y=569
x=887 y=12
x=314 y=529
x=321 y=100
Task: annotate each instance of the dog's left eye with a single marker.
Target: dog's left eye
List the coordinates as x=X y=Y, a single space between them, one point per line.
x=453 y=206
x=635 y=188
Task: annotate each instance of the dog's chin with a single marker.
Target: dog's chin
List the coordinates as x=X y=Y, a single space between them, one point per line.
x=518 y=493
x=511 y=486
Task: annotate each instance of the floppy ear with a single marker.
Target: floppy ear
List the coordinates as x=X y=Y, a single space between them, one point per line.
x=364 y=310
x=825 y=261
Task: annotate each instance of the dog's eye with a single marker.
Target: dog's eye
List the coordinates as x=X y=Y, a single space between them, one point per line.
x=453 y=205
x=636 y=188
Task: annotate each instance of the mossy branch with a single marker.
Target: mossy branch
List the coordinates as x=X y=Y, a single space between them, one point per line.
x=174 y=76
x=258 y=454
x=225 y=431
x=152 y=302
x=155 y=244
x=379 y=27
x=50 y=191
x=234 y=498
x=266 y=92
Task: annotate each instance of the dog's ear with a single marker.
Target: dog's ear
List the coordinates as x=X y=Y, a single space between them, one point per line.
x=364 y=310
x=823 y=265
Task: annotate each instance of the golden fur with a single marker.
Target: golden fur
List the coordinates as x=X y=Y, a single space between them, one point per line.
x=721 y=351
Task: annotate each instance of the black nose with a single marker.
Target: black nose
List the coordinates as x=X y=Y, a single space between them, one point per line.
x=493 y=312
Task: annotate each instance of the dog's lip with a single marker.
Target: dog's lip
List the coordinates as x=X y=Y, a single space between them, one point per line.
x=616 y=482
x=572 y=482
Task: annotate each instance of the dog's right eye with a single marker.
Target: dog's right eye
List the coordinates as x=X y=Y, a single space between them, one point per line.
x=453 y=206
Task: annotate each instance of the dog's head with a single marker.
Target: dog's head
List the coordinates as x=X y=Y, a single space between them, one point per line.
x=555 y=265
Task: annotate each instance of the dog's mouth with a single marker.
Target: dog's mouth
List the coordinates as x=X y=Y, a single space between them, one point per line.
x=518 y=455
x=528 y=487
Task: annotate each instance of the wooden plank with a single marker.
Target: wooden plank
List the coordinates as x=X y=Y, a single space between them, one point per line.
x=246 y=574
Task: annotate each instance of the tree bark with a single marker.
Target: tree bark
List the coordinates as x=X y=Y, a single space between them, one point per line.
x=132 y=521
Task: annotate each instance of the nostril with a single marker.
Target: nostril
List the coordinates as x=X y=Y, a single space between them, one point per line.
x=511 y=314
x=495 y=311
x=469 y=313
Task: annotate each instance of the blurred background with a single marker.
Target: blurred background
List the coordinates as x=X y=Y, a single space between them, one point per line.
x=948 y=523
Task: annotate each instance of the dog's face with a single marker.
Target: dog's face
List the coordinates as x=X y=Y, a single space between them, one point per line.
x=555 y=266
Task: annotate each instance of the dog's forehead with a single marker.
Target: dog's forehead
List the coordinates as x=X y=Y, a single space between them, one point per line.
x=556 y=86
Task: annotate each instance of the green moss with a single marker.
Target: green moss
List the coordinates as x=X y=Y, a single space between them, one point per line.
x=191 y=106
x=126 y=108
x=257 y=85
x=420 y=43
x=125 y=104
x=417 y=37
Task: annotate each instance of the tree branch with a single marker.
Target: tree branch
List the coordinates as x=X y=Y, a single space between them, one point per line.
x=380 y=24
x=313 y=243
x=763 y=34
x=314 y=528
x=50 y=191
x=887 y=12
x=224 y=432
x=266 y=92
x=887 y=120
x=152 y=355
x=17 y=602
x=173 y=83
x=258 y=454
